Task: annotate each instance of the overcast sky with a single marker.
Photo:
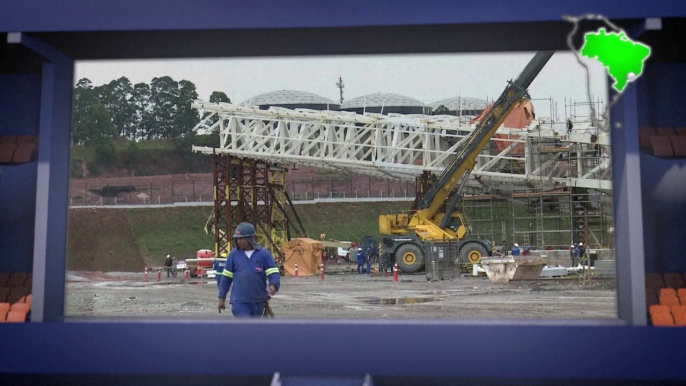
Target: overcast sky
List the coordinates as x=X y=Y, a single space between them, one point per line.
x=427 y=77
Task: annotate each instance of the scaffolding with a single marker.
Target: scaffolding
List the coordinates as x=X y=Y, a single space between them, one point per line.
x=546 y=220
x=542 y=216
x=248 y=190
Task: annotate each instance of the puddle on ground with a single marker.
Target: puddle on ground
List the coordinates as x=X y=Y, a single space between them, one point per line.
x=128 y=284
x=398 y=301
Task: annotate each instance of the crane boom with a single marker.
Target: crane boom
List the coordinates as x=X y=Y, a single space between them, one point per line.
x=464 y=160
x=430 y=228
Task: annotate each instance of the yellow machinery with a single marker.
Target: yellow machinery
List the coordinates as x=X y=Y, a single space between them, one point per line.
x=435 y=219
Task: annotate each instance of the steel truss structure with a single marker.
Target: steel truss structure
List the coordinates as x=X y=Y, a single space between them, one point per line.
x=404 y=146
x=522 y=174
x=247 y=190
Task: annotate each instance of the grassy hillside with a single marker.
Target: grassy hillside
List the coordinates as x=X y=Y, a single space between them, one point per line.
x=143 y=158
x=177 y=231
x=347 y=221
x=129 y=239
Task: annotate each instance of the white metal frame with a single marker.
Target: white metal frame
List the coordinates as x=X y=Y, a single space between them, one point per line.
x=402 y=146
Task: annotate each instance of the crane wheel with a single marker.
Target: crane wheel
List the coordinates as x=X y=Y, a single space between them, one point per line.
x=472 y=252
x=410 y=258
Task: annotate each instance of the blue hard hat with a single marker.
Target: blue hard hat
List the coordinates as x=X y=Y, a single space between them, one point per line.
x=244 y=229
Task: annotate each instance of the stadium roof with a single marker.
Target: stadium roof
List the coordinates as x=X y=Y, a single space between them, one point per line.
x=381 y=99
x=288 y=97
x=454 y=103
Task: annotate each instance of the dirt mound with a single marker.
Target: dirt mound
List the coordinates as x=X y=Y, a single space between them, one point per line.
x=102 y=240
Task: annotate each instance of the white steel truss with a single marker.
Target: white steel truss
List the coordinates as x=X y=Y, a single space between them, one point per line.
x=402 y=146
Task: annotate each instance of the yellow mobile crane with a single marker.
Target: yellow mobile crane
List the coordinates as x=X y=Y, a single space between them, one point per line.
x=429 y=224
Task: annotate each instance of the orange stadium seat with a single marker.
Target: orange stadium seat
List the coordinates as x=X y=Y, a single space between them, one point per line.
x=669 y=301
x=657 y=309
x=661 y=146
x=28 y=299
x=4 y=307
x=7 y=152
x=4 y=292
x=679 y=314
x=20 y=317
x=651 y=297
x=29 y=280
x=662 y=320
x=23 y=153
x=682 y=296
x=654 y=281
x=674 y=280
x=21 y=307
x=16 y=294
x=667 y=292
x=666 y=131
x=679 y=145
x=17 y=279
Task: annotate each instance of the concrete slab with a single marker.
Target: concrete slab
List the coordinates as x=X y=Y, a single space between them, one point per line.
x=553 y=272
x=605 y=268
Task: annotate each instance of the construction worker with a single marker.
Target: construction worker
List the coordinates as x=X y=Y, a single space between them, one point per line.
x=582 y=254
x=572 y=255
x=368 y=256
x=360 y=260
x=515 y=250
x=576 y=253
x=219 y=268
x=168 y=265
x=250 y=265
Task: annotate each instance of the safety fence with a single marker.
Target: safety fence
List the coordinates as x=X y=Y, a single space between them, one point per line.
x=137 y=191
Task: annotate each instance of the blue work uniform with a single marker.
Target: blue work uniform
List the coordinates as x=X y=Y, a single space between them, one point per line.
x=249 y=276
x=360 y=261
x=219 y=268
x=515 y=251
x=369 y=259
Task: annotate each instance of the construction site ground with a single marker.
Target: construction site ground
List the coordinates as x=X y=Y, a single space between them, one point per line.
x=346 y=295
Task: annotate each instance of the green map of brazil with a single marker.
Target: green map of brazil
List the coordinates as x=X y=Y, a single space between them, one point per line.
x=622 y=57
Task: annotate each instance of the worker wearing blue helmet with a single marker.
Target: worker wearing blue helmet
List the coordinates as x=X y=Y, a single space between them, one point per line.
x=219 y=268
x=248 y=267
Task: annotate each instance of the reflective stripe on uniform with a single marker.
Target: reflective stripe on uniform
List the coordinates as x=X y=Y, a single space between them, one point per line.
x=227 y=273
x=271 y=271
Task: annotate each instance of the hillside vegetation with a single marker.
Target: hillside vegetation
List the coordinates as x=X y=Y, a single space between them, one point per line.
x=130 y=239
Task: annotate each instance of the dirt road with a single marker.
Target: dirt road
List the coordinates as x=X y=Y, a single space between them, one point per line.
x=347 y=296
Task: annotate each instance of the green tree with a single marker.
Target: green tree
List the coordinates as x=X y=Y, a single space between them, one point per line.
x=117 y=97
x=164 y=98
x=84 y=98
x=441 y=110
x=187 y=117
x=97 y=125
x=216 y=97
x=141 y=114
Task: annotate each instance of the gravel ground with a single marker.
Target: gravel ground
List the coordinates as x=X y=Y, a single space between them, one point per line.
x=348 y=296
